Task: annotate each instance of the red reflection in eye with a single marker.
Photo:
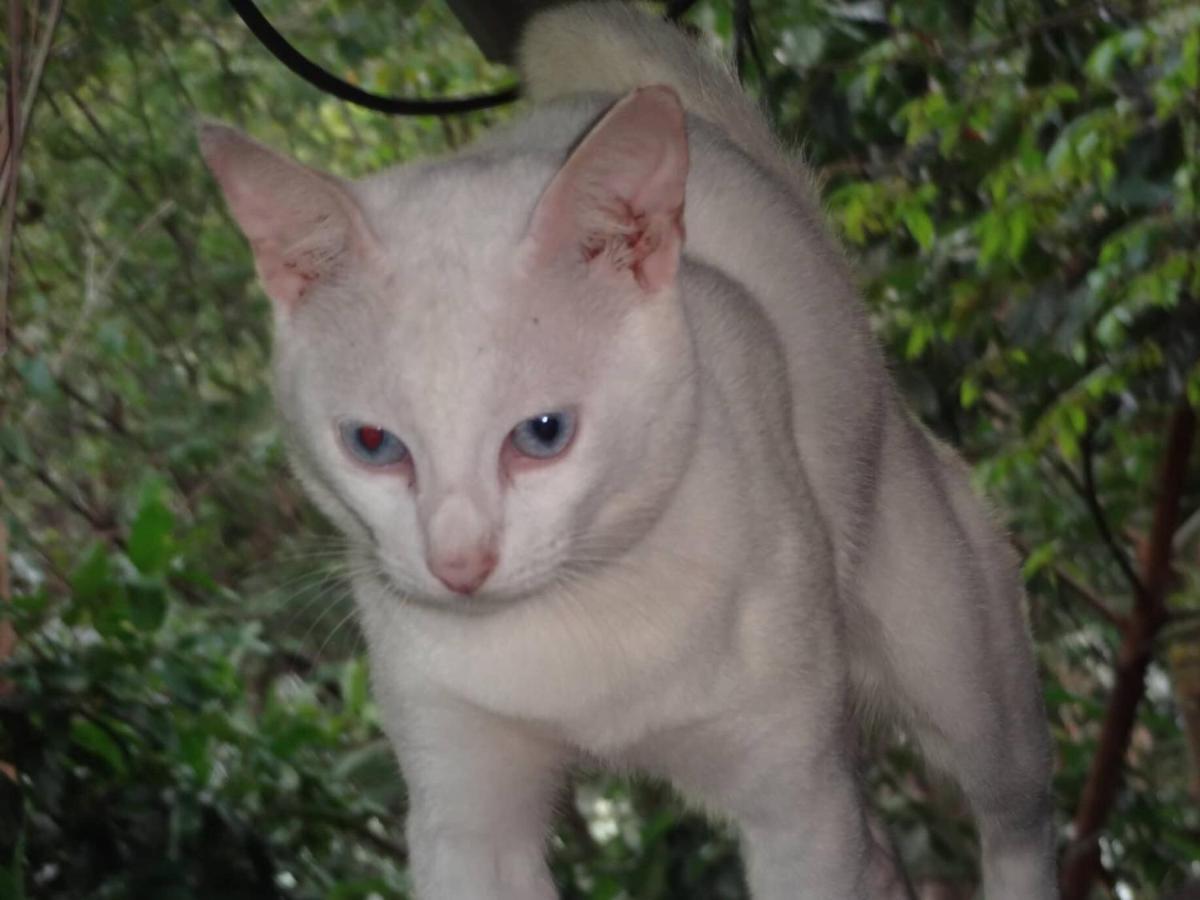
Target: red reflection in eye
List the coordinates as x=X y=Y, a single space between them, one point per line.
x=370 y=438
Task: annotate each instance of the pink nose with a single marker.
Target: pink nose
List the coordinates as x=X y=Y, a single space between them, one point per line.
x=465 y=572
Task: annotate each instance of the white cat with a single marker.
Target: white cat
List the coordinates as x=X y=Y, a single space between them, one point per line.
x=598 y=407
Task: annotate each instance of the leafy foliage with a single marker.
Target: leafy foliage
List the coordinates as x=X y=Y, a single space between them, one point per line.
x=187 y=709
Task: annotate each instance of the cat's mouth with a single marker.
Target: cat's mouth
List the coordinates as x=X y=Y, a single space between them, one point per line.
x=546 y=571
x=486 y=600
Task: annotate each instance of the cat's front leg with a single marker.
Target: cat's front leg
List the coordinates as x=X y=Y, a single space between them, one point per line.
x=481 y=790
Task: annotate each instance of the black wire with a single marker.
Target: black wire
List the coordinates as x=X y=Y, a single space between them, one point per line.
x=331 y=84
x=677 y=8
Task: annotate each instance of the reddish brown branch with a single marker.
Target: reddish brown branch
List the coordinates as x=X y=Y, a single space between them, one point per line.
x=1081 y=864
x=12 y=159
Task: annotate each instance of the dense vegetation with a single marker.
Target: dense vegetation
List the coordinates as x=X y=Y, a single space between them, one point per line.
x=185 y=712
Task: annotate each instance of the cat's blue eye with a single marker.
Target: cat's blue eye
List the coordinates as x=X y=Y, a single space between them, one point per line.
x=544 y=436
x=372 y=445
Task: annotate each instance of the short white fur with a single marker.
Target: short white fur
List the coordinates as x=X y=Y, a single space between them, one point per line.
x=749 y=539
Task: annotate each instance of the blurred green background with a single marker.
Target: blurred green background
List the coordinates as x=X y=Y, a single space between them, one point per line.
x=184 y=709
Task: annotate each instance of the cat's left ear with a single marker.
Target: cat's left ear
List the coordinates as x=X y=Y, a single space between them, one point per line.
x=617 y=202
x=303 y=226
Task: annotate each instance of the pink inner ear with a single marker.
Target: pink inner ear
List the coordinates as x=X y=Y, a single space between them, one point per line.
x=300 y=224
x=618 y=200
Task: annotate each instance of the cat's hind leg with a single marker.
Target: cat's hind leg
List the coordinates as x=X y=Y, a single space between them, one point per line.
x=786 y=774
x=940 y=638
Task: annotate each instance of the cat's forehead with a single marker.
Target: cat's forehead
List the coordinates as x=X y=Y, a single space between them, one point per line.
x=450 y=315
x=454 y=212
x=451 y=236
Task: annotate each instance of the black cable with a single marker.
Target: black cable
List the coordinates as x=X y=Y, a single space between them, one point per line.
x=676 y=9
x=331 y=84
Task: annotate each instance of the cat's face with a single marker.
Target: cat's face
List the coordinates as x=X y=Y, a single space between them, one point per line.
x=483 y=369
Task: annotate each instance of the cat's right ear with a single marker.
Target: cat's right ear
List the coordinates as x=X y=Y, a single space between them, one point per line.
x=303 y=226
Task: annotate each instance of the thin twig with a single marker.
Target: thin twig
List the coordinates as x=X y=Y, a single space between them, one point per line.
x=45 y=39
x=1092 y=501
x=18 y=119
x=1090 y=598
x=8 y=186
x=750 y=34
x=101 y=523
x=1091 y=497
x=741 y=18
x=96 y=290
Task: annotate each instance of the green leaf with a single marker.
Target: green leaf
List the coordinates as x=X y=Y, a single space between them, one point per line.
x=1103 y=60
x=969 y=393
x=92 y=579
x=111 y=615
x=150 y=546
x=993 y=238
x=12 y=874
x=97 y=741
x=918 y=340
x=38 y=378
x=919 y=225
x=1018 y=232
x=1193 y=385
x=147 y=605
x=1039 y=559
x=1077 y=416
x=193 y=751
x=355 y=686
x=802 y=47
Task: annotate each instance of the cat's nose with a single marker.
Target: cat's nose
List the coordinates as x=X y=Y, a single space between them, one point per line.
x=461 y=547
x=466 y=571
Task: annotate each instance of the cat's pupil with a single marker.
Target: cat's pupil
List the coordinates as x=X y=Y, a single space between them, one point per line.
x=370 y=438
x=545 y=428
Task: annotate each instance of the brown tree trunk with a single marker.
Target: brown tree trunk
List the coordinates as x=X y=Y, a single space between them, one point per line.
x=1081 y=863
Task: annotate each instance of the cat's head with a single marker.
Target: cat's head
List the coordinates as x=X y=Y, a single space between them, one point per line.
x=482 y=366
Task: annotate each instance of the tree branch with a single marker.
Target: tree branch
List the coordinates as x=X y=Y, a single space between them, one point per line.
x=12 y=159
x=1081 y=862
x=1086 y=490
x=44 y=41
x=18 y=113
x=103 y=523
x=1090 y=598
x=1091 y=497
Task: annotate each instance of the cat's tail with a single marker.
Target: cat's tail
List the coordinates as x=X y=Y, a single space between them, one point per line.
x=611 y=47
